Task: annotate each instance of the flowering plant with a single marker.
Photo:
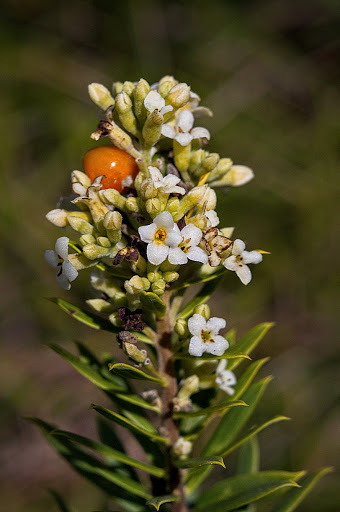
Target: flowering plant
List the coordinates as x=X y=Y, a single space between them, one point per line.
x=144 y=213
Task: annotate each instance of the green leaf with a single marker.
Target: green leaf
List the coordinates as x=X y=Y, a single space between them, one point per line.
x=60 y=501
x=204 y=278
x=249 y=457
x=110 y=452
x=84 y=317
x=238 y=491
x=126 y=371
x=293 y=498
x=247 y=377
x=92 y=374
x=231 y=353
x=199 y=462
x=125 y=422
x=254 y=432
x=160 y=500
x=152 y=302
x=137 y=400
x=250 y=341
x=208 y=411
x=202 y=297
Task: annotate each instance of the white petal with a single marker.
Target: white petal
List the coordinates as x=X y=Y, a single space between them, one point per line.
x=251 y=257
x=185 y=120
x=166 y=109
x=171 y=180
x=215 y=324
x=196 y=346
x=192 y=232
x=52 y=258
x=164 y=220
x=168 y=131
x=228 y=378
x=155 y=173
x=238 y=247
x=183 y=139
x=147 y=233
x=196 y=324
x=200 y=133
x=213 y=218
x=197 y=254
x=63 y=282
x=177 y=256
x=69 y=271
x=58 y=217
x=61 y=247
x=219 y=346
x=154 y=101
x=157 y=253
x=244 y=274
x=231 y=263
x=177 y=190
x=173 y=237
x=221 y=366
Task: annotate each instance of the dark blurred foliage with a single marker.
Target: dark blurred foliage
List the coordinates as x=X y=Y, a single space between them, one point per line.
x=268 y=70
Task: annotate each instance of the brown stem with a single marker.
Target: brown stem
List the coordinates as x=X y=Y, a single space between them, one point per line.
x=165 y=331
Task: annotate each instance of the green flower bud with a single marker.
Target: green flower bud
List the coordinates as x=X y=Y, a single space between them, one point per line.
x=117 y=87
x=103 y=241
x=210 y=162
x=196 y=159
x=87 y=239
x=237 y=176
x=170 y=277
x=136 y=284
x=209 y=200
x=181 y=328
x=141 y=91
x=128 y=87
x=139 y=356
x=153 y=207
x=204 y=310
x=112 y=196
x=181 y=156
x=93 y=251
x=154 y=276
x=112 y=223
x=189 y=386
x=114 y=319
x=166 y=84
x=125 y=113
x=152 y=128
x=148 y=189
x=81 y=225
x=178 y=96
x=223 y=166
x=158 y=287
x=80 y=262
x=132 y=204
x=191 y=199
x=101 y=96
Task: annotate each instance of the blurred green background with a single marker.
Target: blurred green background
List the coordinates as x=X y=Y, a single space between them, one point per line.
x=268 y=70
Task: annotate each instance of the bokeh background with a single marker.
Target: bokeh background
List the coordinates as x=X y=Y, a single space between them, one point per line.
x=269 y=70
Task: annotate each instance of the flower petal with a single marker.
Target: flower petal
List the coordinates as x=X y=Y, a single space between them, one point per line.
x=183 y=139
x=168 y=131
x=166 y=109
x=177 y=256
x=215 y=324
x=155 y=173
x=196 y=324
x=62 y=281
x=147 y=233
x=164 y=220
x=197 y=254
x=52 y=258
x=244 y=274
x=157 y=253
x=251 y=257
x=61 y=247
x=173 y=237
x=193 y=232
x=196 y=346
x=231 y=263
x=154 y=101
x=212 y=218
x=70 y=272
x=219 y=346
x=238 y=247
x=185 y=120
x=200 y=133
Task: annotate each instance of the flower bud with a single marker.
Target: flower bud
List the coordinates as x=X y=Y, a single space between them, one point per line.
x=178 y=96
x=100 y=95
x=132 y=204
x=58 y=217
x=181 y=327
x=112 y=220
x=191 y=199
x=221 y=168
x=80 y=182
x=237 y=176
x=148 y=189
x=181 y=156
x=154 y=276
x=203 y=310
x=170 y=277
x=128 y=87
x=189 y=386
x=103 y=241
x=134 y=353
x=209 y=200
x=166 y=84
x=196 y=159
x=158 y=287
x=125 y=113
x=210 y=162
x=140 y=93
x=117 y=87
x=112 y=196
x=80 y=262
x=136 y=284
x=81 y=225
x=114 y=319
x=87 y=239
x=93 y=251
x=182 y=447
x=152 y=128
x=153 y=207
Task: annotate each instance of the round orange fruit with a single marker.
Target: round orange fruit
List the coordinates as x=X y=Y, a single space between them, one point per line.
x=113 y=163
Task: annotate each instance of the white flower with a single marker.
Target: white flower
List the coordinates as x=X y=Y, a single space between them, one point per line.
x=238 y=261
x=184 y=132
x=205 y=336
x=182 y=447
x=225 y=378
x=166 y=184
x=154 y=101
x=187 y=249
x=59 y=259
x=162 y=234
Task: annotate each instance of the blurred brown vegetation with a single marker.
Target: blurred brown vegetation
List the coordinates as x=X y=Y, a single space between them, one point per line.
x=268 y=70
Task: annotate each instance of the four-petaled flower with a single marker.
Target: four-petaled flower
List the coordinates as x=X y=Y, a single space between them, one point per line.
x=184 y=132
x=238 y=261
x=225 y=378
x=166 y=184
x=59 y=259
x=205 y=336
x=154 y=101
x=187 y=249
x=160 y=236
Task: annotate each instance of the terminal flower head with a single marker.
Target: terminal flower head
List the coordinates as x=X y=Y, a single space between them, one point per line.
x=205 y=336
x=225 y=378
x=160 y=236
x=239 y=259
x=188 y=248
x=59 y=260
x=184 y=132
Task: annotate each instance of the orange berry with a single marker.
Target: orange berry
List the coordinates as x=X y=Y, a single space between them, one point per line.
x=114 y=163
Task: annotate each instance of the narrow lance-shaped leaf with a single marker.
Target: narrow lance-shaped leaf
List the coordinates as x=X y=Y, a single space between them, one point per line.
x=209 y=411
x=202 y=297
x=247 y=344
x=161 y=500
x=130 y=372
x=198 y=462
x=110 y=452
x=249 y=462
x=294 y=497
x=238 y=491
x=231 y=353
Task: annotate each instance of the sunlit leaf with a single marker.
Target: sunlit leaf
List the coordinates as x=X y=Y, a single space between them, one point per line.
x=130 y=372
x=160 y=500
x=198 y=462
x=84 y=317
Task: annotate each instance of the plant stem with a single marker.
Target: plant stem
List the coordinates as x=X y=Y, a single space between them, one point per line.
x=166 y=366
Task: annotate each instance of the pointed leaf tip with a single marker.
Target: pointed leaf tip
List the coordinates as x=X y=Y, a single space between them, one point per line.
x=158 y=501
